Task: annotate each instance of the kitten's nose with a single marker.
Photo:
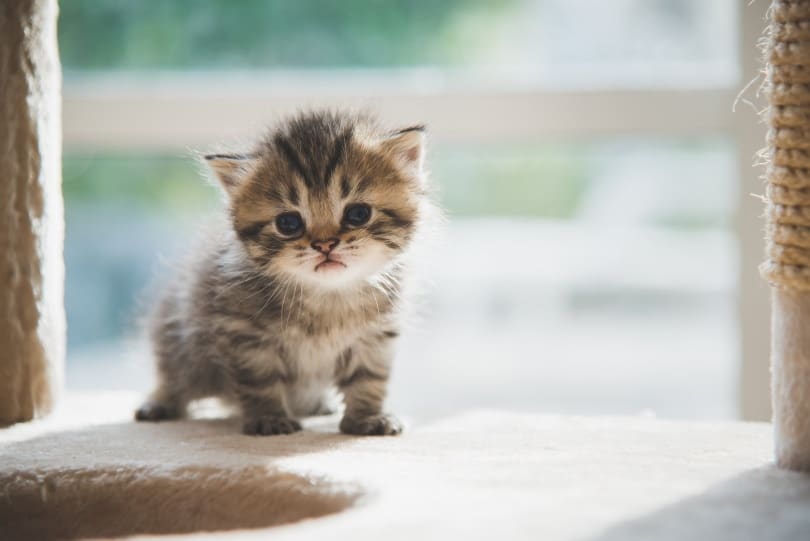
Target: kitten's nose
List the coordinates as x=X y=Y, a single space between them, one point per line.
x=325 y=246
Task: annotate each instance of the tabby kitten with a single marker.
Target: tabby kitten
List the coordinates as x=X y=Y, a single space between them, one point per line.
x=301 y=292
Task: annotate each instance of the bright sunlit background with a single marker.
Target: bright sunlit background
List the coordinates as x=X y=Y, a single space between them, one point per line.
x=591 y=274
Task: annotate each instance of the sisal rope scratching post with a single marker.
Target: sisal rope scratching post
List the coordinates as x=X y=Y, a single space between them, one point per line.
x=32 y=318
x=788 y=227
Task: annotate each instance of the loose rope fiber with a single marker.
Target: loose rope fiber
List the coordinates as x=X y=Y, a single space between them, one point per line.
x=788 y=172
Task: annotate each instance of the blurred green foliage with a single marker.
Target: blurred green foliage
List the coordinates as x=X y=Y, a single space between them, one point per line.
x=149 y=183
x=249 y=34
x=532 y=180
x=509 y=180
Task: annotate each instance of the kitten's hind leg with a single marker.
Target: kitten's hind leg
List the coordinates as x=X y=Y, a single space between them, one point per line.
x=161 y=407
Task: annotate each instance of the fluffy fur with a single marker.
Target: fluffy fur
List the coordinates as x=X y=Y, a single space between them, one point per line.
x=272 y=316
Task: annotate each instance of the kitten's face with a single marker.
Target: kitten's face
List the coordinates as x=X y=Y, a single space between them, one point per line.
x=326 y=201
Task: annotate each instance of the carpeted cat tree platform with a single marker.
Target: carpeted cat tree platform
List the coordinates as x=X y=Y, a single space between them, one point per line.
x=482 y=475
x=88 y=471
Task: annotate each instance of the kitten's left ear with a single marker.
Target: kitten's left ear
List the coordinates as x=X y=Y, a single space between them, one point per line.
x=407 y=146
x=231 y=169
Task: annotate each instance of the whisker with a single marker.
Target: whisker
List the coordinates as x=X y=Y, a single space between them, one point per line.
x=270 y=297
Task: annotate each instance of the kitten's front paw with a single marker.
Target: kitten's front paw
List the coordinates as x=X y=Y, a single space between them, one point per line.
x=270 y=426
x=373 y=425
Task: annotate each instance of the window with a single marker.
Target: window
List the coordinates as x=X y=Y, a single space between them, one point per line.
x=585 y=155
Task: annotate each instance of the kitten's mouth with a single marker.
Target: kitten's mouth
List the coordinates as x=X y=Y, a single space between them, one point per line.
x=329 y=264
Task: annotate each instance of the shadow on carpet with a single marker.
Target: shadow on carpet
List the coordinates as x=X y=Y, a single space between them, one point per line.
x=763 y=503
x=178 y=477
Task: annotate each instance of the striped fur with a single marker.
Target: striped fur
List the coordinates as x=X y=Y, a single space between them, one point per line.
x=258 y=318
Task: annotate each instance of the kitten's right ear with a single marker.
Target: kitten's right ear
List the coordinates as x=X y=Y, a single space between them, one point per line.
x=231 y=169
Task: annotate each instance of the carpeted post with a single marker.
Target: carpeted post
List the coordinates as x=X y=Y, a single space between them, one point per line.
x=788 y=227
x=32 y=318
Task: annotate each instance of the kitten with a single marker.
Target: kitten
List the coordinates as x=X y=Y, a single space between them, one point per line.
x=301 y=293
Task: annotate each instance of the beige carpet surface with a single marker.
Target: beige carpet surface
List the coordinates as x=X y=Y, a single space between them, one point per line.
x=91 y=472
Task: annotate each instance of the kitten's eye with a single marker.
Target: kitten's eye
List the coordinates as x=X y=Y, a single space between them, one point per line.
x=357 y=214
x=289 y=223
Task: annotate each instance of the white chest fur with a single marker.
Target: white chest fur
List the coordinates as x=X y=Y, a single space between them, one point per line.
x=313 y=358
